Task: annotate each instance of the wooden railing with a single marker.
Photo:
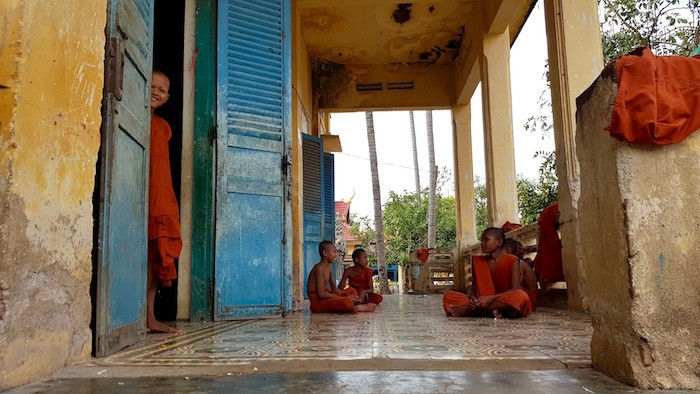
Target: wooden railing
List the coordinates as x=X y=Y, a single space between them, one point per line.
x=436 y=274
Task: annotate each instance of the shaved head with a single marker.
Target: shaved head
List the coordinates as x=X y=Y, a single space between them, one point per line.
x=495 y=232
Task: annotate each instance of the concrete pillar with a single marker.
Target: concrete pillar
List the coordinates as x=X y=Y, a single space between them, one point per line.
x=575 y=60
x=639 y=215
x=501 y=188
x=464 y=175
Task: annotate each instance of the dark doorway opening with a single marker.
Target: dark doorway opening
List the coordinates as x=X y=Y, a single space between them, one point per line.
x=168 y=53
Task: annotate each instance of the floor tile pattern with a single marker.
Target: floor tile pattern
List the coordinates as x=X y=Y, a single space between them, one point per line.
x=404 y=327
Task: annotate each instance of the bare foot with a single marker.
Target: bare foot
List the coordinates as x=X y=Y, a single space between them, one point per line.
x=156 y=326
x=497 y=314
x=368 y=307
x=457 y=311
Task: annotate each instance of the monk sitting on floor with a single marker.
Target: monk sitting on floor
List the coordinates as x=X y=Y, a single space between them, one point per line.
x=528 y=279
x=334 y=300
x=496 y=288
x=359 y=277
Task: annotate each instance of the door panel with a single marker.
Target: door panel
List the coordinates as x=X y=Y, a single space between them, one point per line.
x=328 y=197
x=123 y=213
x=312 y=151
x=252 y=259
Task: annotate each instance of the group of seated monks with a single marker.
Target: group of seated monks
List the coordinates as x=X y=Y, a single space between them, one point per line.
x=358 y=297
x=503 y=283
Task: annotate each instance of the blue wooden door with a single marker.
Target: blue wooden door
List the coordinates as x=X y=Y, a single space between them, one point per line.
x=253 y=194
x=329 y=204
x=328 y=197
x=123 y=211
x=312 y=152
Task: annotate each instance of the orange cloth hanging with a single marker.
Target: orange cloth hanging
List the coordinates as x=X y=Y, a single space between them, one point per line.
x=508 y=226
x=491 y=283
x=658 y=99
x=164 y=241
x=548 y=261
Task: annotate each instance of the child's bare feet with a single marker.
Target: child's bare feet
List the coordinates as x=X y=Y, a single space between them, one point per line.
x=457 y=311
x=497 y=314
x=368 y=307
x=154 y=325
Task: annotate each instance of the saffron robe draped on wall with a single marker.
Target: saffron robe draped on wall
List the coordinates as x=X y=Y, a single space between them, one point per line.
x=164 y=240
x=548 y=261
x=494 y=282
x=363 y=281
x=658 y=98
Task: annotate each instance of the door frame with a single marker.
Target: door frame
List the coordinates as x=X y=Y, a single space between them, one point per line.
x=203 y=207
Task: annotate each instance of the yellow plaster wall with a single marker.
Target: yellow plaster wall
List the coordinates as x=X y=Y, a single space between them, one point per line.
x=51 y=72
x=302 y=107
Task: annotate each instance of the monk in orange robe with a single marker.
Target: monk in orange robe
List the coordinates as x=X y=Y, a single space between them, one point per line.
x=528 y=279
x=359 y=276
x=548 y=261
x=496 y=288
x=331 y=300
x=164 y=241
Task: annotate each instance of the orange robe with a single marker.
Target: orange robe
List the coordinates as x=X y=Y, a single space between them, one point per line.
x=333 y=305
x=164 y=241
x=489 y=282
x=658 y=98
x=363 y=281
x=548 y=261
x=532 y=294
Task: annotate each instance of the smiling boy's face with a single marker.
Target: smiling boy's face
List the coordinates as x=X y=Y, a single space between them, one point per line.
x=160 y=88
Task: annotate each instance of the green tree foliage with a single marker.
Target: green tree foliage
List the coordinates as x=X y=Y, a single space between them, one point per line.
x=533 y=195
x=668 y=27
x=406 y=224
x=481 y=211
x=362 y=229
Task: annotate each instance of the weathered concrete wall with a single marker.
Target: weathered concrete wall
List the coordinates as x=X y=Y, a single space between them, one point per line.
x=51 y=78
x=640 y=231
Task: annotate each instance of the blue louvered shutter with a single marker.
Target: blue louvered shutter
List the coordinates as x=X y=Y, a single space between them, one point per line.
x=252 y=262
x=312 y=152
x=328 y=197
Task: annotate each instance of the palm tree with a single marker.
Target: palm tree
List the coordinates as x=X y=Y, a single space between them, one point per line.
x=415 y=154
x=378 y=222
x=433 y=180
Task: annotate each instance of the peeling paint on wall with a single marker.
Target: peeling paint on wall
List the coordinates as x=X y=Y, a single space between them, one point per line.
x=51 y=60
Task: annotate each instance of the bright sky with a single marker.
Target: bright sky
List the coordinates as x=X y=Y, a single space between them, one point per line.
x=393 y=133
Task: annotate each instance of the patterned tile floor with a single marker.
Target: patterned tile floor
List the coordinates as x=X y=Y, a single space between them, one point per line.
x=406 y=327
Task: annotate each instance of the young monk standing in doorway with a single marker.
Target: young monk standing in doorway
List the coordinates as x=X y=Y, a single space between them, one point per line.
x=164 y=241
x=496 y=288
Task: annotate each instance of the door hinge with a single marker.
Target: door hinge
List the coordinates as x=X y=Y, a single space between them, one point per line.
x=115 y=77
x=286 y=163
